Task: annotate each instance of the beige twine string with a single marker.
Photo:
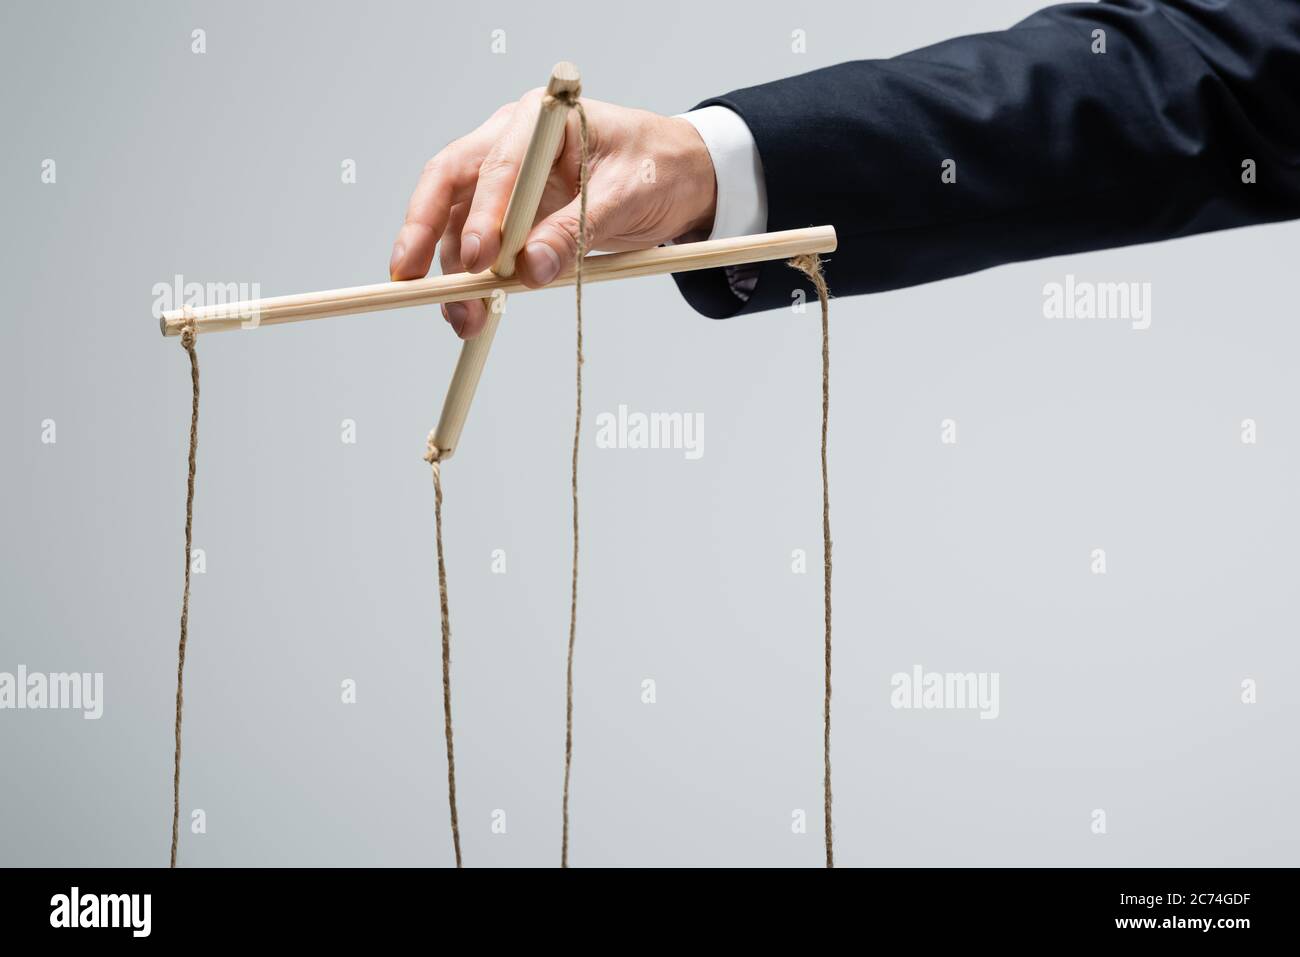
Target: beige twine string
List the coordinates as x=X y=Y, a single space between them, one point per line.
x=574 y=103
x=188 y=336
x=811 y=266
x=433 y=456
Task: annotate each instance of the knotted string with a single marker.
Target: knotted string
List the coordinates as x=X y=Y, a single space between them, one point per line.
x=571 y=99
x=811 y=266
x=188 y=336
x=433 y=456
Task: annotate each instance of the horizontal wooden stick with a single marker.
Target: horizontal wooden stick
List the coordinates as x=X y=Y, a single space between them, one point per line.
x=458 y=287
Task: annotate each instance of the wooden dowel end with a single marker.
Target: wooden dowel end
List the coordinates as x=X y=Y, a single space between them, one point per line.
x=565 y=78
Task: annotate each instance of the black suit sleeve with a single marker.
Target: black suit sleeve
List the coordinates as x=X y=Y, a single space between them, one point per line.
x=1057 y=148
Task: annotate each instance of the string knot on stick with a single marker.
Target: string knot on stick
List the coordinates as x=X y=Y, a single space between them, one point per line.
x=189 y=331
x=432 y=454
x=568 y=97
x=810 y=264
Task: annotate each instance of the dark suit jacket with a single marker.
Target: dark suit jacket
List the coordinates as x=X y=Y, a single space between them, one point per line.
x=1058 y=149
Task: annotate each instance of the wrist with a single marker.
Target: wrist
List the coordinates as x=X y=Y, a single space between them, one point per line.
x=697 y=178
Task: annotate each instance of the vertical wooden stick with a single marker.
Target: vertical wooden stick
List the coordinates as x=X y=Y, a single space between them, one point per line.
x=520 y=213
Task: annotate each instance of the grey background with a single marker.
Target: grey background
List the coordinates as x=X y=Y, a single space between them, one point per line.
x=1118 y=692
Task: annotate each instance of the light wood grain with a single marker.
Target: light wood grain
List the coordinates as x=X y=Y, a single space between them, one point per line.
x=525 y=197
x=462 y=286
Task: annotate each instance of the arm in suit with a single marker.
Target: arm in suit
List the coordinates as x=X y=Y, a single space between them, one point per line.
x=1056 y=148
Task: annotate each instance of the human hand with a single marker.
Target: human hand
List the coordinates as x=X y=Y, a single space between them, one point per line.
x=651 y=181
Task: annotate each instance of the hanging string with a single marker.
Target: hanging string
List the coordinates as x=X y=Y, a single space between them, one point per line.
x=188 y=336
x=811 y=266
x=432 y=455
x=574 y=103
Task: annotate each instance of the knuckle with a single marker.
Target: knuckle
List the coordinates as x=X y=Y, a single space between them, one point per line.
x=495 y=166
x=448 y=159
x=436 y=163
x=479 y=221
x=567 y=227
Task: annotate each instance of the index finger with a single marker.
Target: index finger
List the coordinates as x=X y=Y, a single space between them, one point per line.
x=447 y=179
x=480 y=240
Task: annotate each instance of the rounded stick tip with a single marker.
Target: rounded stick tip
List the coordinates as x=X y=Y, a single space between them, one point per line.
x=565 y=78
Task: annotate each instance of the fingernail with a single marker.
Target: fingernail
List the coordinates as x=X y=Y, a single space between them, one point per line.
x=542 y=262
x=469 y=247
x=399 y=251
x=457 y=313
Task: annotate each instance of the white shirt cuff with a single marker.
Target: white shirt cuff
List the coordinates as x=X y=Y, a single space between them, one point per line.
x=741 y=207
x=742 y=195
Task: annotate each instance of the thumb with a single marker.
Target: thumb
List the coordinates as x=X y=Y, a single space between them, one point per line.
x=552 y=247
